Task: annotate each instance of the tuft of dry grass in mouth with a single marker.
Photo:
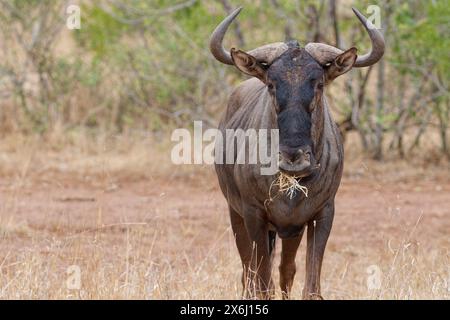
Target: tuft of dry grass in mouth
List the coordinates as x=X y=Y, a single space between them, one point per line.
x=289 y=184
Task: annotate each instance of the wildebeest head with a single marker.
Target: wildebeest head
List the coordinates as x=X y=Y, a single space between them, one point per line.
x=295 y=78
x=295 y=81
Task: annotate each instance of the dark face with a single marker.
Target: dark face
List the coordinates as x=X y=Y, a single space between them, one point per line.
x=295 y=81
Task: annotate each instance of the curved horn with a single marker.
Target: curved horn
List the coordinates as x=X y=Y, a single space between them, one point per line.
x=324 y=53
x=215 y=42
x=269 y=52
x=377 y=39
x=266 y=53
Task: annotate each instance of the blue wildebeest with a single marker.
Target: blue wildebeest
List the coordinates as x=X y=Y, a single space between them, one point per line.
x=286 y=92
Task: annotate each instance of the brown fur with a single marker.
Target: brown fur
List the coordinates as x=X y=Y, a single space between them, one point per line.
x=250 y=106
x=286 y=94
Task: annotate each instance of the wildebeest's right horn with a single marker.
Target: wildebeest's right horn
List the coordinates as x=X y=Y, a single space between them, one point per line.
x=324 y=53
x=266 y=53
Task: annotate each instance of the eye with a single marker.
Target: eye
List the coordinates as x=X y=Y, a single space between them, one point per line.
x=320 y=85
x=270 y=86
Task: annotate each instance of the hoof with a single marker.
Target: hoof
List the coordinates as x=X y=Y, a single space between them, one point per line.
x=314 y=296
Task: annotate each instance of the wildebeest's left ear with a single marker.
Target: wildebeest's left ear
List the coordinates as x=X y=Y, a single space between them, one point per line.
x=340 y=65
x=248 y=64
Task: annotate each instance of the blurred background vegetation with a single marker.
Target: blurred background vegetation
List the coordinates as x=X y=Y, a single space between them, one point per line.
x=145 y=65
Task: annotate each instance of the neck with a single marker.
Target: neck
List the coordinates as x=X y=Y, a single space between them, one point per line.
x=318 y=119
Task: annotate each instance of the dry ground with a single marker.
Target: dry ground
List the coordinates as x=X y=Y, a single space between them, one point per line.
x=140 y=228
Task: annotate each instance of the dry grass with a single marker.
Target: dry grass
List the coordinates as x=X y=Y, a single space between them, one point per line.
x=137 y=227
x=288 y=184
x=88 y=157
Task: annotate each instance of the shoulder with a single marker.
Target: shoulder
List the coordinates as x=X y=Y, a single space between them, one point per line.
x=244 y=94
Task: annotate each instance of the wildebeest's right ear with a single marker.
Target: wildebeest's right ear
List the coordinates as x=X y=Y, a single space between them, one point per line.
x=248 y=64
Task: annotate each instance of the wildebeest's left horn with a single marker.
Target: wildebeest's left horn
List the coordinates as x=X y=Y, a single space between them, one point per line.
x=266 y=53
x=324 y=53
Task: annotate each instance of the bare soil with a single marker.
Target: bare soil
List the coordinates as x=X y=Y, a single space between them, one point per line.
x=172 y=236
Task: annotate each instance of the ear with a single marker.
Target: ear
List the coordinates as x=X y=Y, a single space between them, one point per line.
x=248 y=64
x=340 y=65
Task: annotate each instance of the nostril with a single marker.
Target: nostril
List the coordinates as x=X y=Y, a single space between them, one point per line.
x=285 y=156
x=298 y=154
